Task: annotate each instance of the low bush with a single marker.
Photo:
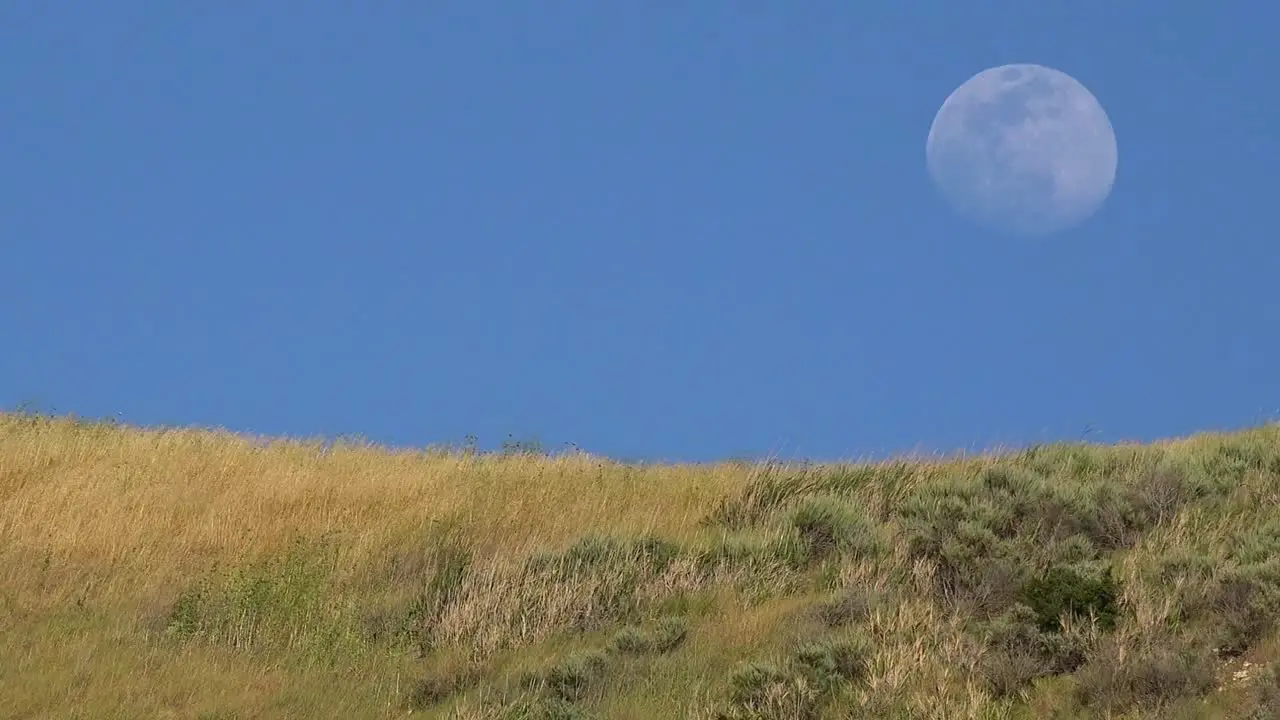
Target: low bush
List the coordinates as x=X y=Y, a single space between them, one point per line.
x=438 y=687
x=764 y=691
x=1017 y=651
x=850 y=605
x=772 y=490
x=1242 y=602
x=667 y=635
x=834 y=661
x=801 y=688
x=829 y=526
x=1151 y=673
x=572 y=678
x=1062 y=591
x=975 y=571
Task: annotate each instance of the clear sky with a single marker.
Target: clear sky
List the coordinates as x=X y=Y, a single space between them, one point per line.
x=680 y=231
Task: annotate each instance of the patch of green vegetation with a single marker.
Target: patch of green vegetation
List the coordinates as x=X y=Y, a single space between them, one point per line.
x=625 y=563
x=778 y=487
x=280 y=602
x=451 y=561
x=850 y=605
x=1064 y=591
x=436 y=687
x=1153 y=673
x=572 y=678
x=1017 y=650
x=667 y=634
x=828 y=526
x=802 y=687
x=761 y=566
x=770 y=492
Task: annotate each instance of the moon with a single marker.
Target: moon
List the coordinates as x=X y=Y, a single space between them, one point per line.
x=1022 y=149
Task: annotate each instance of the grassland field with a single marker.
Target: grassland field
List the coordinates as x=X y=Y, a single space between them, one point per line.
x=191 y=573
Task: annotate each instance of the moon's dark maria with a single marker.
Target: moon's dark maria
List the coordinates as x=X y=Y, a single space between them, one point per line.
x=1022 y=149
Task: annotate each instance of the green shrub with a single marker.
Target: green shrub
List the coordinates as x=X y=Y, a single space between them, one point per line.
x=1062 y=590
x=1237 y=597
x=847 y=481
x=890 y=481
x=789 y=551
x=834 y=661
x=778 y=487
x=764 y=691
x=1159 y=493
x=277 y=601
x=451 y=564
x=733 y=552
x=1260 y=545
x=1017 y=652
x=754 y=556
x=815 y=674
x=573 y=678
x=187 y=616
x=850 y=605
x=656 y=552
x=631 y=640
x=1014 y=502
x=618 y=566
x=1243 y=602
x=768 y=493
x=592 y=553
x=1073 y=460
x=667 y=635
x=1230 y=462
x=436 y=688
x=827 y=526
x=1153 y=675
x=975 y=570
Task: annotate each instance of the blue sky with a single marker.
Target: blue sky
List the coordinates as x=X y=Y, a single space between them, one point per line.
x=682 y=231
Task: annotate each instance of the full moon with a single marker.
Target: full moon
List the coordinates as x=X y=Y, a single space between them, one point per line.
x=1023 y=150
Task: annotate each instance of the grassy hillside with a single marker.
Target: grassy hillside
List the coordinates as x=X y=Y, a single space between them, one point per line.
x=200 y=574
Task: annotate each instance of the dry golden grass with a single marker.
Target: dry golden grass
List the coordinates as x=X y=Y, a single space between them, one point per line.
x=154 y=506
x=199 y=573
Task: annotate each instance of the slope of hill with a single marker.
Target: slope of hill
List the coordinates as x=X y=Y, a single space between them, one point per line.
x=190 y=573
